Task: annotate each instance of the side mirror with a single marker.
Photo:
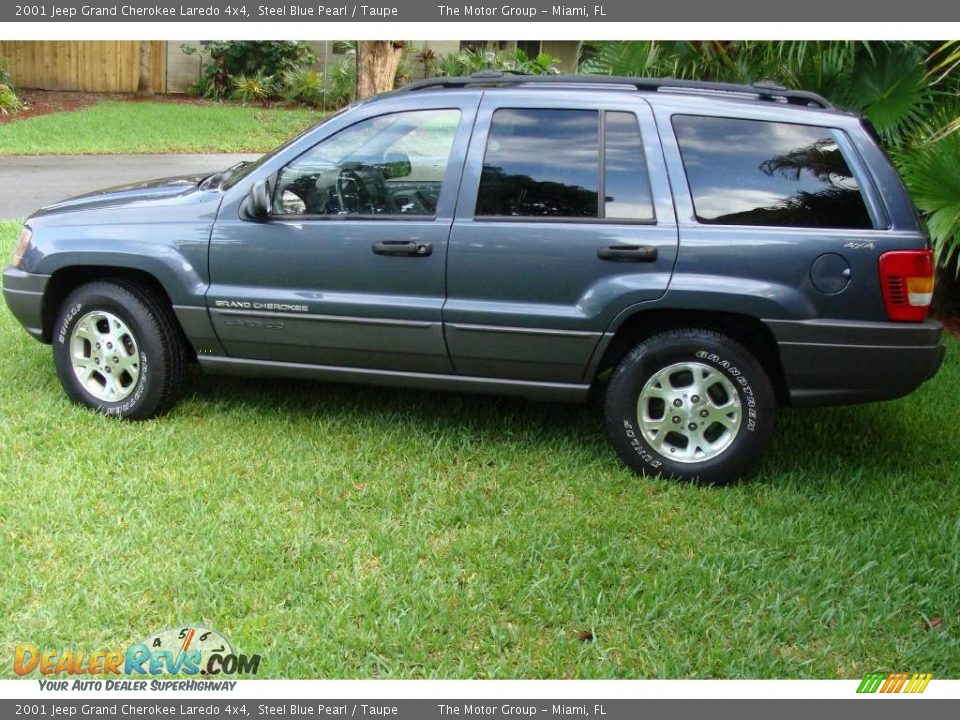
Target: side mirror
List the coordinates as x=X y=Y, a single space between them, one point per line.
x=258 y=201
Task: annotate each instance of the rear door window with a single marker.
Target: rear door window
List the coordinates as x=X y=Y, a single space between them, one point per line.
x=547 y=163
x=541 y=163
x=755 y=172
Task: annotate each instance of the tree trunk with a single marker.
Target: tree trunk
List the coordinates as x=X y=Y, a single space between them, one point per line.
x=145 y=86
x=377 y=63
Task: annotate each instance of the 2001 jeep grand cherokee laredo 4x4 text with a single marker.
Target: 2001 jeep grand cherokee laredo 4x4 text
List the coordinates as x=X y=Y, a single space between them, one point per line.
x=709 y=251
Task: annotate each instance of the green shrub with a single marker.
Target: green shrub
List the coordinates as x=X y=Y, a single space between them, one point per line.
x=231 y=59
x=258 y=87
x=9 y=102
x=470 y=61
x=341 y=83
x=303 y=86
x=5 y=77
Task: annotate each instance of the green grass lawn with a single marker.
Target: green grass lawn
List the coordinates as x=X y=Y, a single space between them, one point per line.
x=360 y=532
x=153 y=127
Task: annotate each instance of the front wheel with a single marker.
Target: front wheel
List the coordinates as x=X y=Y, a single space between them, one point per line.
x=690 y=404
x=118 y=350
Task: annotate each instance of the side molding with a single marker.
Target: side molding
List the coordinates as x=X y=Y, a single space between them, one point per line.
x=559 y=392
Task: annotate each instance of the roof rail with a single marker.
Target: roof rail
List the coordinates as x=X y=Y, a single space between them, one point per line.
x=762 y=90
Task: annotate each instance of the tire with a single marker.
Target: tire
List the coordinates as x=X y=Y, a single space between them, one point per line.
x=726 y=414
x=142 y=372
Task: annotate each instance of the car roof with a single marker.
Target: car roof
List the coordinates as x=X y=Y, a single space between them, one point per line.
x=760 y=93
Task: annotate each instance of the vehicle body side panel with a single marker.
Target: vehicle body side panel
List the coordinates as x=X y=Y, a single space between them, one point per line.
x=311 y=290
x=528 y=298
x=165 y=234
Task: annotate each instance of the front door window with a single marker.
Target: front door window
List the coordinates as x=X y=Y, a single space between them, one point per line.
x=390 y=165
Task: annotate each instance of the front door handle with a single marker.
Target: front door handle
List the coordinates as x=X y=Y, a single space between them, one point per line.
x=628 y=253
x=406 y=248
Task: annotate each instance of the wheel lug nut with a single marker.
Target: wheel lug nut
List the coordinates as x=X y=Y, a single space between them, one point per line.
x=676 y=420
x=703 y=413
x=677 y=402
x=116 y=359
x=695 y=398
x=110 y=346
x=692 y=426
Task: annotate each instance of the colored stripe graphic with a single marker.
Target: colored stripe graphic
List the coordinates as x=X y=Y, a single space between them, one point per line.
x=918 y=683
x=888 y=683
x=871 y=682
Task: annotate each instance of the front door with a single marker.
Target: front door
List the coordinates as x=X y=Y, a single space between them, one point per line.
x=565 y=218
x=348 y=268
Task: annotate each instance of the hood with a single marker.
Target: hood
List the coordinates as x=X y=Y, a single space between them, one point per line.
x=171 y=190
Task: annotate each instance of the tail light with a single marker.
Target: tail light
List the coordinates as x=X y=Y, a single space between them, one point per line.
x=907 y=280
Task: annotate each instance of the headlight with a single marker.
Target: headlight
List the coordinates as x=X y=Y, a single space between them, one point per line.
x=22 y=244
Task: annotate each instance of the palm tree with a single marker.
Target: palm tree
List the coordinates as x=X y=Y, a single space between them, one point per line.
x=377 y=64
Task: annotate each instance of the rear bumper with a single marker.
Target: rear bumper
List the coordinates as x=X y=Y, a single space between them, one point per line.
x=23 y=293
x=827 y=362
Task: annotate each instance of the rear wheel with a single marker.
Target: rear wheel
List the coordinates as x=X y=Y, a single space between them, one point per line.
x=118 y=350
x=690 y=404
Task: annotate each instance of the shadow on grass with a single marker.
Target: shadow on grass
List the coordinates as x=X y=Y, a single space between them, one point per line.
x=489 y=416
x=871 y=440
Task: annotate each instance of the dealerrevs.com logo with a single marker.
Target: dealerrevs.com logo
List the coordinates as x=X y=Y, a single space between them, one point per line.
x=189 y=650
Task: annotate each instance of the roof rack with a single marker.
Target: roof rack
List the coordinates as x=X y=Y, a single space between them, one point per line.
x=762 y=90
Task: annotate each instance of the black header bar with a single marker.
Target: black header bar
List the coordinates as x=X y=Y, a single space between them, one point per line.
x=419 y=11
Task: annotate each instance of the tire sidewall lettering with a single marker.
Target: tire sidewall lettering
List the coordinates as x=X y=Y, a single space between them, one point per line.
x=129 y=403
x=639 y=447
x=744 y=388
x=67 y=322
x=748 y=398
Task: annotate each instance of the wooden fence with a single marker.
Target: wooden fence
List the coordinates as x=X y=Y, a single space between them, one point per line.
x=93 y=66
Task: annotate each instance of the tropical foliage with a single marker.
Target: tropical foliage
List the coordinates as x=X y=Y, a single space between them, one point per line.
x=258 y=87
x=910 y=92
x=223 y=62
x=9 y=102
x=303 y=86
x=472 y=60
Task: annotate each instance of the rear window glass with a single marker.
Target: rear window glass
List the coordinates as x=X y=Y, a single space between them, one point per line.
x=754 y=172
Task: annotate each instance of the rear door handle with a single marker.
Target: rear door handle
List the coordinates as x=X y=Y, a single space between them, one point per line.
x=628 y=253
x=407 y=248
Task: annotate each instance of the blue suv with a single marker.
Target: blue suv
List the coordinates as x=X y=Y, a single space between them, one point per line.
x=699 y=253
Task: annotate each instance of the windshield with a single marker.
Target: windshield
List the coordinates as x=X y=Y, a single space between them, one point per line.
x=239 y=172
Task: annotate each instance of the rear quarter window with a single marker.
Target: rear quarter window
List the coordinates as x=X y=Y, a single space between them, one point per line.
x=756 y=172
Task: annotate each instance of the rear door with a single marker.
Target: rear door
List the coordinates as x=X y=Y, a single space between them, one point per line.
x=564 y=218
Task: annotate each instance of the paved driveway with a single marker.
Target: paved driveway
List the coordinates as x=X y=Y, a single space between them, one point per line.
x=29 y=182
